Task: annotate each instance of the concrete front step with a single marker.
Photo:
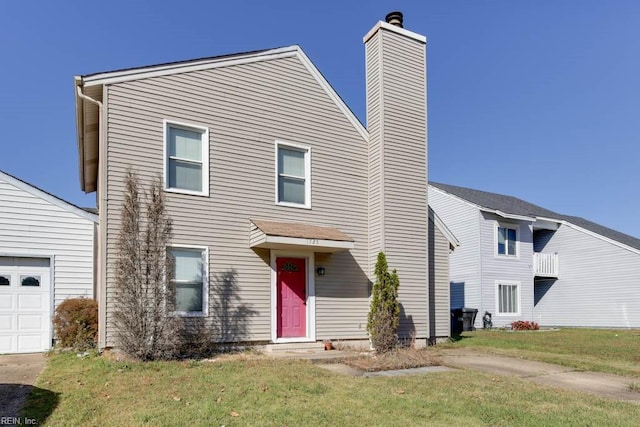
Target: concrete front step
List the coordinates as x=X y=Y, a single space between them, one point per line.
x=301 y=347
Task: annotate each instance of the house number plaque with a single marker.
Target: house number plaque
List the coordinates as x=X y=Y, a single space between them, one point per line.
x=289 y=266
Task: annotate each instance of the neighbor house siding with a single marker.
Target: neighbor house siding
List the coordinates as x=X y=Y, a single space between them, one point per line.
x=31 y=226
x=463 y=220
x=398 y=97
x=439 y=313
x=246 y=109
x=598 y=284
x=507 y=269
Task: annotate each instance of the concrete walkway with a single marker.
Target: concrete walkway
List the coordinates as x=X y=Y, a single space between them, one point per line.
x=600 y=384
x=18 y=373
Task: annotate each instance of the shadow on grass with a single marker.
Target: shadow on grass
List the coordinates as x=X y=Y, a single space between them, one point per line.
x=458 y=336
x=27 y=404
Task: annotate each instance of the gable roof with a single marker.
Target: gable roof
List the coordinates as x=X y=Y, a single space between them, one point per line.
x=88 y=88
x=54 y=200
x=514 y=206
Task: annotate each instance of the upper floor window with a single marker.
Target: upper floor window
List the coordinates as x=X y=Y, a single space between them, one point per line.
x=507 y=241
x=189 y=281
x=186 y=158
x=293 y=175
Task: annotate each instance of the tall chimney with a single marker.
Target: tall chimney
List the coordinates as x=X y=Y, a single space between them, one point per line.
x=397 y=125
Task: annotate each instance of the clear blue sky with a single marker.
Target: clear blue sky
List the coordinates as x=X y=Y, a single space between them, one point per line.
x=536 y=99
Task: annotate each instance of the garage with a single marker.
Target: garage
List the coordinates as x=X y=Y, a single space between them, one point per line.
x=25 y=305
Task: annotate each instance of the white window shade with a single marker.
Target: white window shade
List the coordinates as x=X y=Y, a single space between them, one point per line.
x=186 y=154
x=188 y=281
x=293 y=175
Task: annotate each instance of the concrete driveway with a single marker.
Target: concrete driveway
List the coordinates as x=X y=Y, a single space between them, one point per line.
x=18 y=373
x=600 y=384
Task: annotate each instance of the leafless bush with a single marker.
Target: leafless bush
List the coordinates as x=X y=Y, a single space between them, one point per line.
x=143 y=328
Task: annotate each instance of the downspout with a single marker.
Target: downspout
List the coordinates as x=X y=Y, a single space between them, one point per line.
x=101 y=290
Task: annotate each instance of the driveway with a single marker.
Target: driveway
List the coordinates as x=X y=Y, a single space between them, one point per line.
x=18 y=373
x=601 y=384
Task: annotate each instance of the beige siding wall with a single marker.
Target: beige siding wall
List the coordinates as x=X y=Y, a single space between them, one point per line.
x=32 y=226
x=396 y=120
x=246 y=108
x=439 y=313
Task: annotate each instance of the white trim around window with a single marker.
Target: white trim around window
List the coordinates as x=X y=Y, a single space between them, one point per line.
x=508 y=301
x=508 y=238
x=204 y=257
x=194 y=160
x=300 y=178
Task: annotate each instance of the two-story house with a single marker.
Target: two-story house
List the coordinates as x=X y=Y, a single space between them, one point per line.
x=520 y=261
x=280 y=198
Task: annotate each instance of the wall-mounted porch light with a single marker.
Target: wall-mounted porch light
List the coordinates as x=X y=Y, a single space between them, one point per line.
x=320 y=270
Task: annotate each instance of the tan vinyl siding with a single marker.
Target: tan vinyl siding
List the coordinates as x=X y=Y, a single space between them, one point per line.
x=32 y=226
x=246 y=109
x=374 y=122
x=398 y=94
x=439 y=313
x=597 y=286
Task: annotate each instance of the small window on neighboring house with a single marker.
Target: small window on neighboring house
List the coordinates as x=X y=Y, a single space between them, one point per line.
x=189 y=281
x=508 y=296
x=507 y=241
x=5 y=280
x=293 y=175
x=30 y=280
x=187 y=159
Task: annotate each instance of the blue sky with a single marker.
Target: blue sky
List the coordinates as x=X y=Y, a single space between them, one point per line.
x=537 y=99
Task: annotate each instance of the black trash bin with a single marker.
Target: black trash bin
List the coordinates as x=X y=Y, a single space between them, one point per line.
x=468 y=318
x=457 y=322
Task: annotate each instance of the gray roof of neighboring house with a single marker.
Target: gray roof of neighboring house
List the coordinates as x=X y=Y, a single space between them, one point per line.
x=515 y=206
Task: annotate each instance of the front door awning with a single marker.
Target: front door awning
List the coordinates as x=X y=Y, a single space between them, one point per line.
x=292 y=236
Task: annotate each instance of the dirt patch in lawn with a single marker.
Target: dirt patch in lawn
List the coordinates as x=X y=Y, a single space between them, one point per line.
x=396 y=359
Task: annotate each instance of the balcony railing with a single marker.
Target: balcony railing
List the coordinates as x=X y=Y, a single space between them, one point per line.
x=545 y=265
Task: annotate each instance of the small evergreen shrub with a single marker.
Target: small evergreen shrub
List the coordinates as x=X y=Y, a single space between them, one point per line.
x=384 y=313
x=524 y=325
x=76 y=323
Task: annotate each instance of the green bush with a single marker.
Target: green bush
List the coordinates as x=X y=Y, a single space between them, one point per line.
x=76 y=323
x=384 y=314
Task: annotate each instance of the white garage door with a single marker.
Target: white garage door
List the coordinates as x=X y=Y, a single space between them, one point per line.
x=25 y=305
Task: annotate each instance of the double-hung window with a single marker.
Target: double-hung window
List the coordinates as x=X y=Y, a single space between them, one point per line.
x=293 y=175
x=507 y=241
x=189 y=281
x=508 y=298
x=186 y=158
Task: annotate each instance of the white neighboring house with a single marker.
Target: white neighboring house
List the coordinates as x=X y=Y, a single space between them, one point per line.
x=520 y=261
x=46 y=256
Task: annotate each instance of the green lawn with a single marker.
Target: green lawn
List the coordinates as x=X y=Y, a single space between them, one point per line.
x=604 y=350
x=94 y=391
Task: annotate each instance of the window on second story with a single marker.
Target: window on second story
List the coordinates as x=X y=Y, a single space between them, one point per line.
x=293 y=175
x=507 y=241
x=186 y=159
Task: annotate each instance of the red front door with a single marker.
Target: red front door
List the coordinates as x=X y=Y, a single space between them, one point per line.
x=292 y=297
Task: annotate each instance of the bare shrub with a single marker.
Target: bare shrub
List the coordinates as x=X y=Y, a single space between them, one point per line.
x=76 y=323
x=143 y=328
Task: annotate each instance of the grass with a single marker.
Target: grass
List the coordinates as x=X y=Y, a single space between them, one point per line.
x=259 y=391
x=603 y=350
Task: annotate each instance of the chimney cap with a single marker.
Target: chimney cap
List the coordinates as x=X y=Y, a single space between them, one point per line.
x=394 y=18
